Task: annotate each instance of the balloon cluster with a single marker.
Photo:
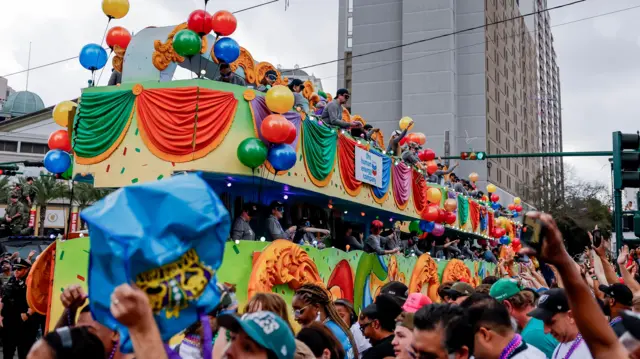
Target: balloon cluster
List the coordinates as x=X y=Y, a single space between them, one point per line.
x=188 y=42
x=500 y=230
x=434 y=217
x=494 y=197
x=515 y=207
x=275 y=129
x=58 y=159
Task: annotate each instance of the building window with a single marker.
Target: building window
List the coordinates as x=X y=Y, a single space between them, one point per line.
x=350 y=5
x=349 y=42
x=28 y=147
x=8 y=146
x=350 y=26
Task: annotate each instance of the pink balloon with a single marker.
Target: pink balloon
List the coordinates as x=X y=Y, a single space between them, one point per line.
x=438 y=230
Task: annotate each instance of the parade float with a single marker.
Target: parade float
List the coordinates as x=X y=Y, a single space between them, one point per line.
x=257 y=146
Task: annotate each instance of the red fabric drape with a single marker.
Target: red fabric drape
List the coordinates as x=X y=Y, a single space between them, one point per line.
x=490 y=224
x=474 y=214
x=347 y=163
x=419 y=190
x=184 y=124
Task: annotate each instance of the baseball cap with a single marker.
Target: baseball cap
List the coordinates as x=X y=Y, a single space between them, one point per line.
x=620 y=292
x=250 y=208
x=460 y=289
x=415 y=301
x=397 y=290
x=277 y=205
x=552 y=302
x=265 y=328
x=296 y=82
x=21 y=263
x=504 y=288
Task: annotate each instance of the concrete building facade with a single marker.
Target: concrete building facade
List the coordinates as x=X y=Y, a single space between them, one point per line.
x=475 y=90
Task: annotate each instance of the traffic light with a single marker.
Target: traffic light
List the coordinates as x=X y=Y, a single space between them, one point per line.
x=8 y=170
x=626 y=160
x=473 y=156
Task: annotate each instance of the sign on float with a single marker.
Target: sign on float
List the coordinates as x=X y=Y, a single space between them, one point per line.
x=368 y=167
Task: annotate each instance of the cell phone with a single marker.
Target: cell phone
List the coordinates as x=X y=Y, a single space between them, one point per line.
x=597 y=238
x=533 y=232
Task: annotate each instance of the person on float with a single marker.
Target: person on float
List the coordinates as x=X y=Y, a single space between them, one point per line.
x=241 y=230
x=269 y=79
x=394 y=148
x=274 y=227
x=228 y=76
x=411 y=158
x=332 y=113
x=553 y=310
x=375 y=243
x=352 y=242
x=300 y=103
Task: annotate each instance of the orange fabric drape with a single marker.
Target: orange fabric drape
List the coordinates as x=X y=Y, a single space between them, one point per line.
x=184 y=124
x=474 y=214
x=419 y=190
x=347 y=163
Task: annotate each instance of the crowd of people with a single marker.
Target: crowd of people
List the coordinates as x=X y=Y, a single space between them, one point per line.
x=574 y=310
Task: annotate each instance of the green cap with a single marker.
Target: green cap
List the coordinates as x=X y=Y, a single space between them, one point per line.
x=504 y=288
x=265 y=328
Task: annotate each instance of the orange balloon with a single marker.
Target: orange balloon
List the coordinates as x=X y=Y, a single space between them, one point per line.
x=434 y=195
x=432 y=168
x=276 y=128
x=420 y=138
x=450 y=205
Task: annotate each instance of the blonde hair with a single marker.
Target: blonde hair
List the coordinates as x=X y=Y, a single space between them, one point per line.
x=270 y=302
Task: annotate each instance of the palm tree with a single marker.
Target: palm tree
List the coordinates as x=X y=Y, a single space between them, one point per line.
x=85 y=194
x=47 y=189
x=5 y=187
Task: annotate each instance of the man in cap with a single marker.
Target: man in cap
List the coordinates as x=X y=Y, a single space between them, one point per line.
x=519 y=304
x=377 y=323
x=553 y=310
x=411 y=156
x=273 y=223
x=18 y=331
x=228 y=76
x=332 y=113
x=16 y=216
x=241 y=229
x=394 y=148
x=259 y=335
x=618 y=298
x=460 y=291
x=438 y=176
x=270 y=78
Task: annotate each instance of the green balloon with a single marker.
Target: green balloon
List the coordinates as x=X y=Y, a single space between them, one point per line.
x=252 y=152
x=68 y=174
x=414 y=226
x=187 y=43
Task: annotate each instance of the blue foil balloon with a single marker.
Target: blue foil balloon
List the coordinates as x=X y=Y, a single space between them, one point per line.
x=505 y=239
x=495 y=206
x=282 y=157
x=93 y=57
x=57 y=161
x=226 y=50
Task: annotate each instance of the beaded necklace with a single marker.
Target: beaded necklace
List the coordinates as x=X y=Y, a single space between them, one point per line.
x=513 y=345
x=615 y=321
x=573 y=348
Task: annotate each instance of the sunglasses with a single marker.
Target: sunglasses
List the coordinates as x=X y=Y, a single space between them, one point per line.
x=364 y=326
x=298 y=312
x=346 y=97
x=272 y=77
x=279 y=209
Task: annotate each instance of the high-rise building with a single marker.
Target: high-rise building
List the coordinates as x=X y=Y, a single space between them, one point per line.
x=476 y=90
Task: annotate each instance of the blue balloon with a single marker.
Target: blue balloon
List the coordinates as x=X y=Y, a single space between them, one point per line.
x=226 y=50
x=495 y=206
x=57 y=161
x=515 y=214
x=93 y=57
x=282 y=157
x=429 y=227
x=505 y=239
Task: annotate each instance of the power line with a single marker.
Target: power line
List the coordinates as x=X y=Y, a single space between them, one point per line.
x=484 y=42
x=75 y=57
x=444 y=35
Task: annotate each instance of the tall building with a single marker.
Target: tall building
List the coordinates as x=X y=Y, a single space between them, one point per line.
x=475 y=90
x=296 y=73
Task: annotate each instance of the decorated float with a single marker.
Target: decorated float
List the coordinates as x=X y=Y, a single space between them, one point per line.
x=257 y=146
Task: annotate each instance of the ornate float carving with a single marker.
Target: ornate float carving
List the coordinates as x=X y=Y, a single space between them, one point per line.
x=424 y=278
x=456 y=271
x=118 y=59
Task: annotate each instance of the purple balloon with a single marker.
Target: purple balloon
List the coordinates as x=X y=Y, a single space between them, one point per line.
x=438 y=230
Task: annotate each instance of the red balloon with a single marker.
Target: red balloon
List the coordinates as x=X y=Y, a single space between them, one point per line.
x=413 y=137
x=293 y=134
x=430 y=214
x=224 y=23
x=516 y=245
x=59 y=140
x=276 y=128
x=519 y=208
x=450 y=218
x=500 y=232
x=200 y=22
x=495 y=198
x=442 y=215
x=430 y=155
x=511 y=207
x=432 y=168
x=118 y=36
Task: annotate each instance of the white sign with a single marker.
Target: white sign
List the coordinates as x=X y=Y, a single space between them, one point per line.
x=368 y=167
x=55 y=218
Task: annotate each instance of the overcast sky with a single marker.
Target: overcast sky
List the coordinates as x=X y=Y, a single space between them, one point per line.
x=599 y=59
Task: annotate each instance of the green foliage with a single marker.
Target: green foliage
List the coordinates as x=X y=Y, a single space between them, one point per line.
x=85 y=194
x=5 y=187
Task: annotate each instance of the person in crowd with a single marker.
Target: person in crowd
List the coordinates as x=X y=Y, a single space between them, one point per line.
x=415 y=302
x=352 y=242
x=377 y=323
x=618 y=298
x=394 y=148
x=5 y=274
x=303 y=351
x=115 y=78
x=519 y=304
x=460 y=291
x=554 y=312
x=300 y=102
x=241 y=228
x=628 y=206
x=332 y=114
x=348 y=314
x=16 y=216
x=439 y=333
x=321 y=341
x=396 y=290
x=403 y=336
x=375 y=242
x=228 y=76
x=270 y=78
x=19 y=332
x=29 y=192
x=483 y=288
x=67 y=343
x=273 y=223
x=443 y=292
x=270 y=302
x=493 y=335
x=313 y=303
x=259 y=335
x=438 y=176
x=490 y=279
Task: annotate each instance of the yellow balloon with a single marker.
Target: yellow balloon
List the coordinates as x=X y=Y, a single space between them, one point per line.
x=491 y=188
x=434 y=195
x=405 y=121
x=64 y=112
x=280 y=99
x=517 y=200
x=116 y=9
x=473 y=177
